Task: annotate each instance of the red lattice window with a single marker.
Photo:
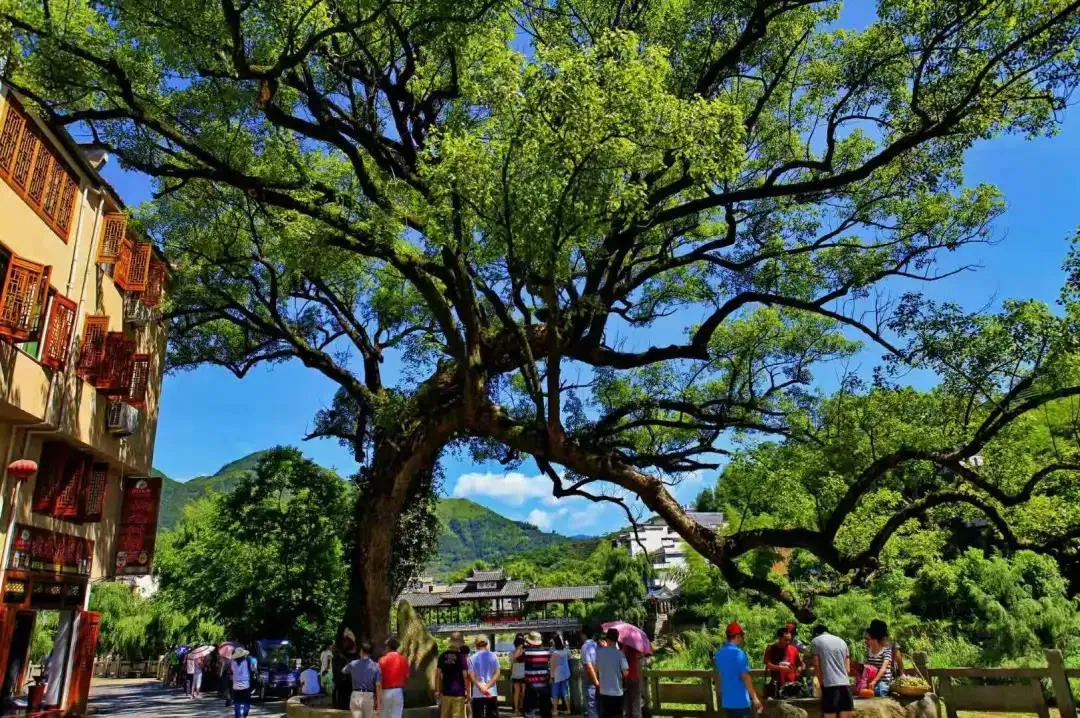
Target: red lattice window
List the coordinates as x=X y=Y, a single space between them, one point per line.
x=61 y=481
x=67 y=203
x=47 y=483
x=58 y=333
x=24 y=157
x=113 y=230
x=140 y=379
x=75 y=474
x=155 y=283
x=54 y=187
x=35 y=168
x=14 y=123
x=22 y=292
x=42 y=165
x=133 y=271
x=114 y=378
x=92 y=349
x=94 y=494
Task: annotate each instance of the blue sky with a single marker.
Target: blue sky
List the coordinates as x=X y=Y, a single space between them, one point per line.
x=209 y=418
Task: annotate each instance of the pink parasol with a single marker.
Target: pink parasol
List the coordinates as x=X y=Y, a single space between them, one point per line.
x=200 y=652
x=632 y=636
x=225 y=649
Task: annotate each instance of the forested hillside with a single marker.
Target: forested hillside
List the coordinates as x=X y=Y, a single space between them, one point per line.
x=473 y=533
x=470 y=533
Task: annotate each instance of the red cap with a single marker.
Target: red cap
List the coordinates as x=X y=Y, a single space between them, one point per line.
x=734 y=629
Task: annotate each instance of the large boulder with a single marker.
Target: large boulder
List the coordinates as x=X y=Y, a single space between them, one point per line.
x=879 y=708
x=925 y=707
x=782 y=709
x=420 y=648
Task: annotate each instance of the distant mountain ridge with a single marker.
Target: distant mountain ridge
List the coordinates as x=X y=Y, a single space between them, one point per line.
x=470 y=532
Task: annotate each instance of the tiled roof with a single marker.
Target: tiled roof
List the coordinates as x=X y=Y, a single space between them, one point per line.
x=496 y=575
x=512 y=589
x=711 y=519
x=422 y=600
x=563 y=593
x=708 y=518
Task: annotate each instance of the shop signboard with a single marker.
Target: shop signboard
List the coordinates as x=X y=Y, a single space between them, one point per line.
x=43 y=551
x=138 y=525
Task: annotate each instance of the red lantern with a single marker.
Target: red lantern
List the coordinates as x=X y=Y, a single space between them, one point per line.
x=21 y=469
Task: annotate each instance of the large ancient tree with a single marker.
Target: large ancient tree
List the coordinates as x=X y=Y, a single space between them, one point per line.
x=605 y=234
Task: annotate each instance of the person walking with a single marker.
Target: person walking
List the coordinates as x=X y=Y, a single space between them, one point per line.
x=737 y=693
x=537 y=661
x=484 y=673
x=560 y=676
x=225 y=679
x=365 y=700
x=517 y=674
x=632 y=688
x=832 y=665
x=612 y=669
x=244 y=666
x=783 y=662
x=588 y=666
x=452 y=679
x=395 y=672
x=189 y=675
x=196 y=678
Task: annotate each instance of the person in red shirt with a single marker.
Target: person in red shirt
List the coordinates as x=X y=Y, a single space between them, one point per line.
x=783 y=662
x=395 y=671
x=632 y=689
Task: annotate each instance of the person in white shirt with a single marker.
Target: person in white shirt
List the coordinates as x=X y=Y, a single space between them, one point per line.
x=244 y=666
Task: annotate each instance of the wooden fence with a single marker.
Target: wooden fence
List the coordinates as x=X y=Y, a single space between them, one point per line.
x=115 y=668
x=696 y=694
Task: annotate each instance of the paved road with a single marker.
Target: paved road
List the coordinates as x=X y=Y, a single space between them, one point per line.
x=148 y=698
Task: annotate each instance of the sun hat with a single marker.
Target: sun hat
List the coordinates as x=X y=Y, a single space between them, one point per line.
x=534 y=639
x=238 y=653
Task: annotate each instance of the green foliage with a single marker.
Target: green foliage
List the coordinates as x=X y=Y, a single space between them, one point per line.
x=1011 y=608
x=625 y=578
x=266 y=560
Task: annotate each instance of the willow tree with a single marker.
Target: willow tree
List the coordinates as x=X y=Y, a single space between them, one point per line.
x=604 y=234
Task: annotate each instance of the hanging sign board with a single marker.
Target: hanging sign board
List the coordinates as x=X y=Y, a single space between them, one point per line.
x=138 y=525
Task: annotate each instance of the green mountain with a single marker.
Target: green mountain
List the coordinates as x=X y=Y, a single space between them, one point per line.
x=175 y=495
x=470 y=532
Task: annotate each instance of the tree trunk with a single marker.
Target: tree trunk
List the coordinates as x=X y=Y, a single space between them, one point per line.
x=367 y=612
x=401 y=465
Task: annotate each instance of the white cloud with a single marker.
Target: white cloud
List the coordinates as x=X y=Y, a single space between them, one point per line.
x=540 y=519
x=513 y=488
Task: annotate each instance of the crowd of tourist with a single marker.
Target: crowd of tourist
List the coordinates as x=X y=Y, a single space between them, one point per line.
x=789 y=674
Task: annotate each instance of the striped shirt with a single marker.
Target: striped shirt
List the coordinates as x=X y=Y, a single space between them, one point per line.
x=877 y=660
x=537 y=660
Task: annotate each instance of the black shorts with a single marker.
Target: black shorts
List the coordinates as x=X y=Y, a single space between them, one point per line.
x=836 y=699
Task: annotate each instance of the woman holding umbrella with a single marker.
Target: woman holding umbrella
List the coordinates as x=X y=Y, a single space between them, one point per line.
x=635 y=645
